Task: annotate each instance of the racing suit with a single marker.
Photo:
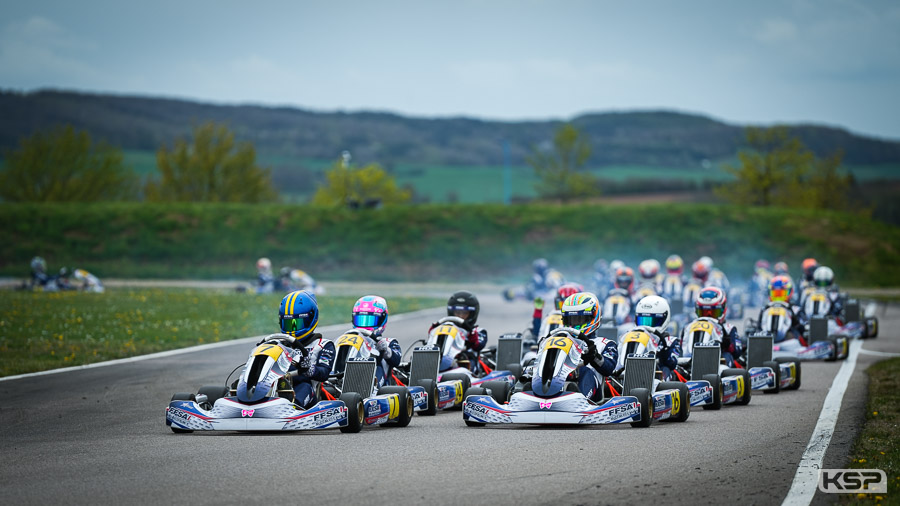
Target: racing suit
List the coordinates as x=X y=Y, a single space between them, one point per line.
x=600 y=359
x=732 y=345
x=476 y=337
x=668 y=351
x=390 y=358
x=316 y=366
x=798 y=322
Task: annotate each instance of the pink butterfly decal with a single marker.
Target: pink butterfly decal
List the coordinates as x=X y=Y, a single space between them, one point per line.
x=247 y=412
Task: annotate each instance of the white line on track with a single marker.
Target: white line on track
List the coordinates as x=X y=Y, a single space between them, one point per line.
x=879 y=353
x=807 y=477
x=192 y=349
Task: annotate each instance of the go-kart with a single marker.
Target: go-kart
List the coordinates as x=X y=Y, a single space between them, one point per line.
x=443 y=361
x=354 y=370
x=776 y=319
x=261 y=398
x=818 y=303
x=766 y=375
x=552 y=397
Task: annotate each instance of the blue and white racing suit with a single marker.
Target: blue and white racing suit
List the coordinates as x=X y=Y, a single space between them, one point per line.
x=320 y=354
x=599 y=363
x=386 y=364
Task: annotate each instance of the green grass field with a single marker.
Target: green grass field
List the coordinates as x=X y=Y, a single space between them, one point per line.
x=40 y=331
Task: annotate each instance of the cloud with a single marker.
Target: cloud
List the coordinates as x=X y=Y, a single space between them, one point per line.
x=40 y=49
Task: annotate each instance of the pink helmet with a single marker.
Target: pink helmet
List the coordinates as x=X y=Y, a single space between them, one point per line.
x=371 y=313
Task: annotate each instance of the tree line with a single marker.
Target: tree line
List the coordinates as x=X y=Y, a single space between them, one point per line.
x=65 y=165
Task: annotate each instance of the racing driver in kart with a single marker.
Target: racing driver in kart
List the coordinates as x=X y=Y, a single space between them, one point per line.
x=713 y=303
x=464 y=304
x=298 y=316
x=581 y=311
x=370 y=313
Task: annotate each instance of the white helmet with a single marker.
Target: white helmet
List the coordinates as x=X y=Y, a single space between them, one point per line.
x=616 y=265
x=80 y=274
x=823 y=276
x=652 y=311
x=264 y=264
x=706 y=261
x=649 y=268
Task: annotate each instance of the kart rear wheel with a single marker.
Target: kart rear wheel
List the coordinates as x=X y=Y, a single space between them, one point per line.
x=431 y=391
x=355 y=412
x=500 y=390
x=212 y=393
x=716 y=382
x=777 y=370
x=466 y=383
x=645 y=400
x=834 y=346
x=744 y=399
x=406 y=405
x=515 y=369
x=183 y=396
x=684 y=399
x=788 y=360
x=475 y=391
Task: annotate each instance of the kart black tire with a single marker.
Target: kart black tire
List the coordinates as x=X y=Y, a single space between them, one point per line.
x=872 y=327
x=745 y=399
x=684 y=399
x=646 y=402
x=213 y=393
x=431 y=390
x=406 y=405
x=777 y=370
x=500 y=391
x=183 y=396
x=466 y=383
x=788 y=360
x=834 y=343
x=716 y=382
x=355 y=413
x=475 y=391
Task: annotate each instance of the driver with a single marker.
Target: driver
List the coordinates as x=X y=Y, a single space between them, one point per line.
x=780 y=294
x=581 y=311
x=298 y=316
x=713 y=303
x=652 y=315
x=370 y=313
x=464 y=304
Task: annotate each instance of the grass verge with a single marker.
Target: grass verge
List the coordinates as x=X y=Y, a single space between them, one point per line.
x=878 y=445
x=40 y=331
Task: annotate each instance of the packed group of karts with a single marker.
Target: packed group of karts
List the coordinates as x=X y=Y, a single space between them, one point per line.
x=647 y=351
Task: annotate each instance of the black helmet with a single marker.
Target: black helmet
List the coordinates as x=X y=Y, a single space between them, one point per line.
x=464 y=301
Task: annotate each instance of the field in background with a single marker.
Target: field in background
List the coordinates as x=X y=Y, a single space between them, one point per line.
x=40 y=331
x=492 y=243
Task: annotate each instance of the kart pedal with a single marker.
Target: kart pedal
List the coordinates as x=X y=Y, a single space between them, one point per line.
x=359 y=376
x=424 y=364
x=639 y=372
x=705 y=360
x=759 y=349
x=509 y=350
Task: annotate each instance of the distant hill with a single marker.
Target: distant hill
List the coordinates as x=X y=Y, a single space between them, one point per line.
x=654 y=138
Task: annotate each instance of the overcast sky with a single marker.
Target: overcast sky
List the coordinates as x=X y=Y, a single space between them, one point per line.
x=829 y=62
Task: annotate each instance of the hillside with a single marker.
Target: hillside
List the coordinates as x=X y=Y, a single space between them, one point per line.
x=433 y=242
x=651 y=138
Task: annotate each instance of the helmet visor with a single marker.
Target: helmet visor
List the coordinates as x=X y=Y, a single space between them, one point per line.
x=460 y=311
x=297 y=322
x=710 y=312
x=578 y=319
x=778 y=294
x=650 y=320
x=366 y=320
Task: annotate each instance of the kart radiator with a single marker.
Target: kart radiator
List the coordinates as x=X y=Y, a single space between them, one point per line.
x=759 y=349
x=610 y=332
x=676 y=306
x=509 y=351
x=818 y=329
x=424 y=365
x=705 y=360
x=639 y=372
x=359 y=376
x=851 y=310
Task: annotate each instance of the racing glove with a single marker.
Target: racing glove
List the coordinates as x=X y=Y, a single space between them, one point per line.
x=383 y=348
x=307 y=366
x=591 y=354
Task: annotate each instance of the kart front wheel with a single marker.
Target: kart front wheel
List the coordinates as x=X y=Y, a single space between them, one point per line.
x=406 y=404
x=500 y=391
x=466 y=383
x=796 y=362
x=474 y=391
x=212 y=393
x=183 y=396
x=355 y=412
x=744 y=399
x=684 y=399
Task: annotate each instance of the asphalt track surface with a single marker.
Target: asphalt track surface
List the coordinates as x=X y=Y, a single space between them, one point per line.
x=97 y=436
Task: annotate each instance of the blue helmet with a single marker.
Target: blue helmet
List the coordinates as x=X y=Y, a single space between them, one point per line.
x=299 y=315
